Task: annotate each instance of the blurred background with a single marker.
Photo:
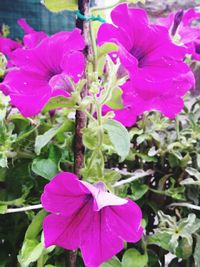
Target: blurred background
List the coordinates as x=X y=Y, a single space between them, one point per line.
x=36 y=15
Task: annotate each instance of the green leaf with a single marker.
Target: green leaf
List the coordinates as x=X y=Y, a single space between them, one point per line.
x=3 y=161
x=55 y=154
x=94 y=166
x=59 y=102
x=193 y=172
x=190 y=181
x=3 y=209
x=152 y=151
x=197 y=252
x=138 y=190
x=173 y=161
x=184 y=249
x=175 y=192
x=60 y=5
x=161 y=240
x=111 y=176
x=116 y=101
x=42 y=140
x=133 y=258
x=106 y=48
x=21 y=123
x=90 y=137
x=119 y=137
x=114 y=262
x=15 y=202
x=153 y=259
x=25 y=135
x=36 y=225
x=31 y=251
x=45 y=168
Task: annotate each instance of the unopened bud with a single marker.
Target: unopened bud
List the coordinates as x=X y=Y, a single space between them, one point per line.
x=177 y=20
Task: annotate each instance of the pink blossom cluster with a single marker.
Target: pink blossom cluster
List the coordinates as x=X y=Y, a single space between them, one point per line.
x=158 y=76
x=42 y=67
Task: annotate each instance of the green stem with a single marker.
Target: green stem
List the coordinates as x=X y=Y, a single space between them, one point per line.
x=100 y=131
x=144 y=245
x=89 y=115
x=25 y=155
x=188 y=263
x=41 y=261
x=158 y=192
x=177 y=128
x=94 y=50
x=186 y=205
x=109 y=89
x=24 y=209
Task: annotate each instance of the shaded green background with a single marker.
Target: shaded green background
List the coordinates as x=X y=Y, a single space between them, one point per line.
x=37 y=16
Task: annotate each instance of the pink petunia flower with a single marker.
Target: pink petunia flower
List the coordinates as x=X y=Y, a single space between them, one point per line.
x=31 y=37
x=158 y=76
x=43 y=71
x=88 y=217
x=187 y=31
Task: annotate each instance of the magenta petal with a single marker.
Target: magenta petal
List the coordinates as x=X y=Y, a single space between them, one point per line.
x=102 y=198
x=131 y=20
x=100 y=242
x=75 y=41
x=64 y=194
x=125 y=221
x=134 y=105
x=20 y=86
x=57 y=232
x=129 y=61
x=29 y=106
x=126 y=116
x=109 y=33
x=7 y=46
x=73 y=64
x=61 y=83
x=149 y=80
x=168 y=106
x=190 y=15
x=167 y=21
x=33 y=39
x=25 y=26
x=71 y=231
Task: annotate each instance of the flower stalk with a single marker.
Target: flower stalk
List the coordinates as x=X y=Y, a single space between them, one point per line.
x=24 y=209
x=81 y=118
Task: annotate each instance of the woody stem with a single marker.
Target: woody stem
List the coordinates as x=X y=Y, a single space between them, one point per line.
x=81 y=119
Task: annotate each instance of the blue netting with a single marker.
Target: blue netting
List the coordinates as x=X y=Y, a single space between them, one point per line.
x=37 y=16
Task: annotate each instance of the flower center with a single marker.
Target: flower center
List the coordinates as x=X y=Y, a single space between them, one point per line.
x=60 y=82
x=197 y=49
x=138 y=53
x=88 y=198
